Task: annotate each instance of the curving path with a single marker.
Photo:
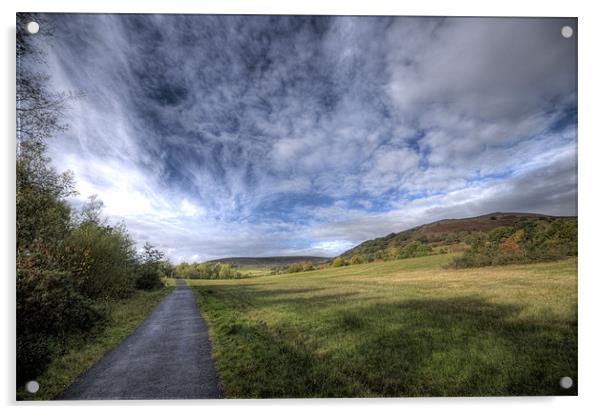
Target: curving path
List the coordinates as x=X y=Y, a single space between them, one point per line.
x=167 y=357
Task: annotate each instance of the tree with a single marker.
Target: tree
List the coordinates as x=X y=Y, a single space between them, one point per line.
x=102 y=259
x=92 y=211
x=338 y=262
x=42 y=213
x=49 y=304
x=166 y=269
x=149 y=272
x=39 y=110
x=356 y=260
x=308 y=266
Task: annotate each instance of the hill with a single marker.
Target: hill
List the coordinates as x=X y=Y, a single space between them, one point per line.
x=273 y=261
x=440 y=236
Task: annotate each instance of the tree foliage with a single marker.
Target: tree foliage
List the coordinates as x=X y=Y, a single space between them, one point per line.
x=304 y=266
x=525 y=242
x=151 y=268
x=102 y=260
x=206 y=271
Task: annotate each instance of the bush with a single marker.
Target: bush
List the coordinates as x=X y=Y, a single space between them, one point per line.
x=149 y=268
x=149 y=278
x=338 y=262
x=294 y=268
x=356 y=260
x=43 y=216
x=308 y=266
x=49 y=307
x=414 y=249
x=103 y=260
x=33 y=355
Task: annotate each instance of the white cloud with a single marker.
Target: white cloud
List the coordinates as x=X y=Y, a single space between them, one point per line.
x=190 y=210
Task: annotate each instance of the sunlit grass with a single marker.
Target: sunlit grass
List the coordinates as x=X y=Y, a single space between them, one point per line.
x=401 y=328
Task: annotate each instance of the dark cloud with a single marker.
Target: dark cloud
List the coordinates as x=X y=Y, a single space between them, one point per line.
x=241 y=135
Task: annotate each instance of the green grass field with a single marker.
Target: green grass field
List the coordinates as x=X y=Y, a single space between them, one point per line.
x=84 y=351
x=400 y=328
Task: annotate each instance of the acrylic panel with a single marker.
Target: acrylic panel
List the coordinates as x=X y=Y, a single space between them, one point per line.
x=272 y=206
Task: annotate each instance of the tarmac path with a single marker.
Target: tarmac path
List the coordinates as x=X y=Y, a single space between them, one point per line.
x=167 y=357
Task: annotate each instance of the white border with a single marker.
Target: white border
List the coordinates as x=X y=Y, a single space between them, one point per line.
x=590 y=214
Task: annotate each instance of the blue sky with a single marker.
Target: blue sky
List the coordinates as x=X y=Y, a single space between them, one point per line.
x=215 y=136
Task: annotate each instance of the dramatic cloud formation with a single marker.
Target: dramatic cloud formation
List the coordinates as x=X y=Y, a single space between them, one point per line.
x=216 y=136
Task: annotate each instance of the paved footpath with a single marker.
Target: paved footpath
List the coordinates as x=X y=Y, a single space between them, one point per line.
x=167 y=357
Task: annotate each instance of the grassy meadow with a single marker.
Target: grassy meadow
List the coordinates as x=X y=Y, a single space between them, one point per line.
x=400 y=328
x=83 y=351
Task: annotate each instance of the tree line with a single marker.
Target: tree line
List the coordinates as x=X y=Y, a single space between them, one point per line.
x=206 y=271
x=527 y=241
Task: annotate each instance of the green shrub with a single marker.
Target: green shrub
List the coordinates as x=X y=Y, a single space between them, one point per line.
x=43 y=216
x=414 y=249
x=49 y=307
x=308 y=266
x=295 y=268
x=33 y=355
x=149 y=268
x=356 y=260
x=149 y=278
x=102 y=260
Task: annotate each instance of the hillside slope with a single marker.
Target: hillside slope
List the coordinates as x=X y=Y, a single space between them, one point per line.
x=448 y=234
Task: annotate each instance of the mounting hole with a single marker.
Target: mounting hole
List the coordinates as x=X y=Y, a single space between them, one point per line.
x=33 y=27
x=566 y=382
x=566 y=32
x=32 y=387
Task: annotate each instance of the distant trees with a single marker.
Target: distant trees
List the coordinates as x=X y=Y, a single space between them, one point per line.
x=525 y=242
x=355 y=259
x=304 y=266
x=300 y=267
x=414 y=249
x=409 y=249
x=506 y=239
x=206 y=271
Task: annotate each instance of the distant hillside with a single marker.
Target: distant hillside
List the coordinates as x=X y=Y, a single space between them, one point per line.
x=443 y=235
x=269 y=261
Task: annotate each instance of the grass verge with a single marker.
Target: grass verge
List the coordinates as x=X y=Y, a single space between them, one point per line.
x=84 y=351
x=402 y=328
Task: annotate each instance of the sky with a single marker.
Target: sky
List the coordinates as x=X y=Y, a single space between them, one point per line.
x=217 y=136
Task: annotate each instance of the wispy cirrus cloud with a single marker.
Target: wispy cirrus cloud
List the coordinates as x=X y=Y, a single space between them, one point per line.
x=262 y=135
